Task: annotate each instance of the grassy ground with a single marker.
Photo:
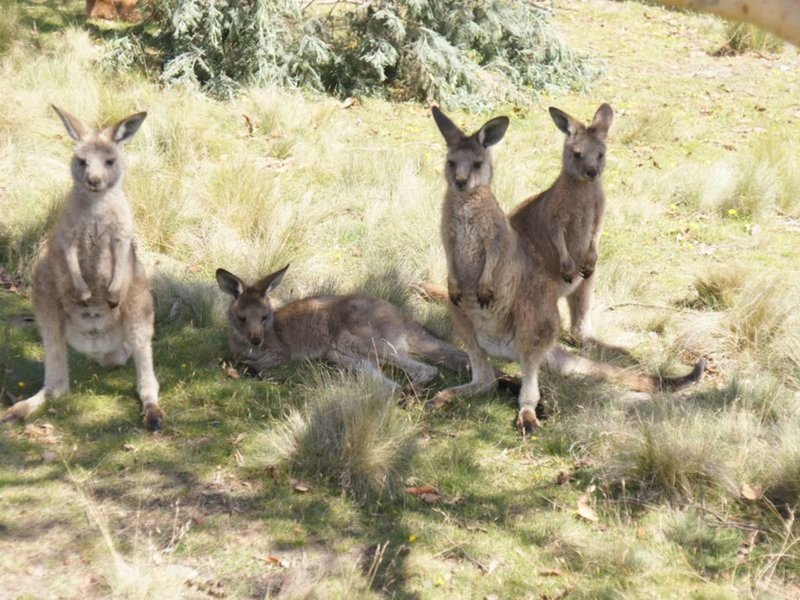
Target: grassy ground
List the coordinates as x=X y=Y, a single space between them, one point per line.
x=620 y=494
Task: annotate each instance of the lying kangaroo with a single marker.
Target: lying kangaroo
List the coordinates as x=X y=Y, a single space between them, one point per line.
x=89 y=290
x=502 y=299
x=354 y=332
x=564 y=222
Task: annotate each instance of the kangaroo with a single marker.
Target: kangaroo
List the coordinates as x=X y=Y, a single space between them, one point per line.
x=89 y=290
x=357 y=333
x=564 y=222
x=503 y=302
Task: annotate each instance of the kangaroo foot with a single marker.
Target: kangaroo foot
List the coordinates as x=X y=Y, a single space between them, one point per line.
x=440 y=400
x=153 y=417
x=527 y=420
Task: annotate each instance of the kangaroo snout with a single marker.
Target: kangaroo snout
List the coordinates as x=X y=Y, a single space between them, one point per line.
x=94 y=181
x=591 y=173
x=461 y=184
x=256 y=340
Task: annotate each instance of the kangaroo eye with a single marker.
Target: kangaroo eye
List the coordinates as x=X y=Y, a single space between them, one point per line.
x=451 y=164
x=242 y=320
x=110 y=162
x=601 y=155
x=576 y=155
x=264 y=318
x=477 y=165
x=82 y=162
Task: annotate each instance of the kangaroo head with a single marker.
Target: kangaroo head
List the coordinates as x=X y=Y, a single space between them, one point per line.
x=250 y=313
x=469 y=162
x=585 y=146
x=97 y=160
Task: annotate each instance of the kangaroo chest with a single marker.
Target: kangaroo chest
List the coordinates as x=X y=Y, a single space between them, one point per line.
x=470 y=228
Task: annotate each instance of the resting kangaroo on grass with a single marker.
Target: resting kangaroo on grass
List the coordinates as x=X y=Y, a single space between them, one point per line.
x=502 y=299
x=564 y=222
x=89 y=290
x=357 y=333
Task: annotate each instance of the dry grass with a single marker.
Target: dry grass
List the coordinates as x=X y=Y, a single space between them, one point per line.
x=350 y=432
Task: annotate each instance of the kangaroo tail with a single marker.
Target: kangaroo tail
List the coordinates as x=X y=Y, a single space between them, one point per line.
x=566 y=363
x=425 y=344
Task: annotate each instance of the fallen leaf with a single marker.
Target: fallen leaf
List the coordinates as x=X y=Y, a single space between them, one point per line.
x=239 y=438
x=349 y=102
x=232 y=373
x=751 y=492
x=585 y=510
x=429 y=498
x=300 y=486
x=563 y=477
x=272 y=471
x=551 y=572
x=422 y=489
x=130 y=448
x=274 y=560
x=239 y=458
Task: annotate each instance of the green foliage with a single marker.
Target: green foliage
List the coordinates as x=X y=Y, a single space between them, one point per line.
x=464 y=53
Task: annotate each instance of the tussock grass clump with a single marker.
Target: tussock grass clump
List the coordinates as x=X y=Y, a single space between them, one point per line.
x=669 y=459
x=9 y=24
x=350 y=432
x=186 y=301
x=744 y=37
x=782 y=476
x=709 y=549
x=762 y=181
x=649 y=127
x=717 y=288
x=761 y=325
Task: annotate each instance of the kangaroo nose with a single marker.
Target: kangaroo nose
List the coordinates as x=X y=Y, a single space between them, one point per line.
x=591 y=172
x=93 y=180
x=461 y=184
x=256 y=341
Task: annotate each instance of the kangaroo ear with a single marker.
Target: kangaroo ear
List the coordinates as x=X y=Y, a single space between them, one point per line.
x=229 y=283
x=492 y=131
x=271 y=281
x=76 y=130
x=125 y=129
x=563 y=121
x=601 y=122
x=450 y=131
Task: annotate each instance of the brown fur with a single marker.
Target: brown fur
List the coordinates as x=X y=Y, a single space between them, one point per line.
x=89 y=290
x=357 y=333
x=564 y=222
x=503 y=298
x=114 y=10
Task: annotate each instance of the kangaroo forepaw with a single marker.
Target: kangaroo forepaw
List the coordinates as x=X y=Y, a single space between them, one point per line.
x=527 y=421
x=153 y=417
x=440 y=400
x=586 y=272
x=485 y=298
x=455 y=298
x=84 y=296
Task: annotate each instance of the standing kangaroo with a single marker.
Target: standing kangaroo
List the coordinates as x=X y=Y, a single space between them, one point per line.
x=502 y=299
x=564 y=222
x=354 y=332
x=89 y=290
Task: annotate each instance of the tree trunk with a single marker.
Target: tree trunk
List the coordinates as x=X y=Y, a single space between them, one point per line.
x=781 y=17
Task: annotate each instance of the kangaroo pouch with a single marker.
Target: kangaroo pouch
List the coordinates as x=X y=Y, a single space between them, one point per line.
x=96 y=331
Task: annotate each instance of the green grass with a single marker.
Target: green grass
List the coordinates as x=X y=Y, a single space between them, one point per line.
x=698 y=258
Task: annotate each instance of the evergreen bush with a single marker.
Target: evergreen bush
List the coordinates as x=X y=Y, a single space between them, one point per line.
x=463 y=53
